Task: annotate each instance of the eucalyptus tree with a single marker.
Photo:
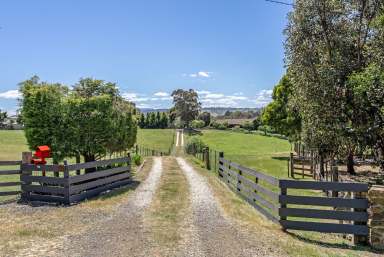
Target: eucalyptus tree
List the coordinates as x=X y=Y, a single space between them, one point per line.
x=186 y=105
x=327 y=41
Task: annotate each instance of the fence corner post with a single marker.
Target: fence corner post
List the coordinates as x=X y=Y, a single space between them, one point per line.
x=376 y=216
x=26 y=158
x=67 y=186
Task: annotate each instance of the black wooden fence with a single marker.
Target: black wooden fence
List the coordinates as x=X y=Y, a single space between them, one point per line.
x=72 y=184
x=144 y=151
x=9 y=186
x=305 y=209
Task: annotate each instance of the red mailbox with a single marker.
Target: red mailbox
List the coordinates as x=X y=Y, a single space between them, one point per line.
x=41 y=153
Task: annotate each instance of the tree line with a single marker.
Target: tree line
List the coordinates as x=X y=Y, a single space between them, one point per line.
x=332 y=96
x=154 y=120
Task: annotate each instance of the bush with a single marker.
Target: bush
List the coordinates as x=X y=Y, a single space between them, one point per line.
x=197 y=124
x=195 y=145
x=137 y=159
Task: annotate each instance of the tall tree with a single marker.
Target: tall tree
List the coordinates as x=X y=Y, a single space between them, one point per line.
x=187 y=105
x=326 y=43
x=278 y=114
x=142 y=121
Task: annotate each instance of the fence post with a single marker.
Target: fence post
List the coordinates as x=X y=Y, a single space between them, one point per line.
x=283 y=191
x=78 y=172
x=215 y=161
x=26 y=158
x=221 y=155
x=292 y=165
x=129 y=163
x=207 y=163
x=67 y=183
x=335 y=177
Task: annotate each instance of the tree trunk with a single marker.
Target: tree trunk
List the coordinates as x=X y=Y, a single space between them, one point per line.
x=89 y=158
x=321 y=164
x=350 y=164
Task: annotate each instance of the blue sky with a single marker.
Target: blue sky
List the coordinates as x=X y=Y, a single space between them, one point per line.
x=231 y=52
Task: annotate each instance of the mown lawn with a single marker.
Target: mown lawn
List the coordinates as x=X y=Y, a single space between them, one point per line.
x=263 y=153
x=156 y=139
x=12 y=144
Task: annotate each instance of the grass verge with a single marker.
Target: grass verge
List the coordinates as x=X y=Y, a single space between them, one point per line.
x=169 y=207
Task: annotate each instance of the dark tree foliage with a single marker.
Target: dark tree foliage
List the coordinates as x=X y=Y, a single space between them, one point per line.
x=187 y=105
x=158 y=120
x=91 y=120
x=279 y=115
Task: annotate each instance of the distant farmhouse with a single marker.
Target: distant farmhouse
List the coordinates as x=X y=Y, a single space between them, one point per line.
x=11 y=122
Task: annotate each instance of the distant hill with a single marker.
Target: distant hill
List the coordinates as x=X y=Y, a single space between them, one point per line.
x=214 y=111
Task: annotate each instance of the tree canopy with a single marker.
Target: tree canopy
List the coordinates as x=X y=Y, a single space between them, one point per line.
x=327 y=42
x=278 y=114
x=186 y=105
x=91 y=120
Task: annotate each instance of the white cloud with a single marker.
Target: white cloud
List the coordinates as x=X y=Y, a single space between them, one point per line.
x=207 y=98
x=200 y=74
x=161 y=94
x=214 y=96
x=10 y=94
x=133 y=97
x=203 y=92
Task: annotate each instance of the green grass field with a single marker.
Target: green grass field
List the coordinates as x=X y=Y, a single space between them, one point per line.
x=156 y=139
x=12 y=144
x=263 y=153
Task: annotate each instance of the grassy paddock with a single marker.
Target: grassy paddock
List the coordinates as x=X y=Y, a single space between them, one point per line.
x=156 y=139
x=12 y=144
x=265 y=154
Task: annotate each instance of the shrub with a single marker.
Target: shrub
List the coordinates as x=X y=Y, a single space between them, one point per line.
x=195 y=145
x=137 y=159
x=197 y=124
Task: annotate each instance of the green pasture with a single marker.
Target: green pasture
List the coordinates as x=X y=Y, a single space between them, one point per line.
x=156 y=139
x=262 y=153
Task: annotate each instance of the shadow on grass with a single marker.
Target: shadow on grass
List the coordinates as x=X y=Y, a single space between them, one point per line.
x=8 y=201
x=344 y=246
x=280 y=158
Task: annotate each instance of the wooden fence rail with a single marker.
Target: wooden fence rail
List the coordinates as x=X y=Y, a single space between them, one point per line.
x=273 y=198
x=9 y=188
x=246 y=182
x=70 y=187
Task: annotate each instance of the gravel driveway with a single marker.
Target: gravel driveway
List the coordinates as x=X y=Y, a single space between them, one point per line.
x=122 y=234
x=211 y=234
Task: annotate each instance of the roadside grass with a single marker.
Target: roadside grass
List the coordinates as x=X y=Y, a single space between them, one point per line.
x=24 y=227
x=169 y=207
x=296 y=244
x=156 y=139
